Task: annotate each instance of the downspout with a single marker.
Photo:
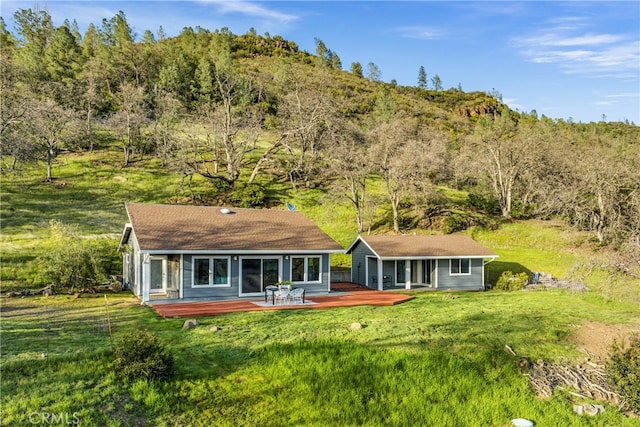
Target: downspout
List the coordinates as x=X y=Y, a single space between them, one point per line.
x=181 y=281
x=146 y=278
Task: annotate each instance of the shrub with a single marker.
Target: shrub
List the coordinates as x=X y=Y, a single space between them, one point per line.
x=484 y=203
x=508 y=281
x=455 y=222
x=74 y=261
x=522 y=210
x=248 y=196
x=624 y=370
x=141 y=355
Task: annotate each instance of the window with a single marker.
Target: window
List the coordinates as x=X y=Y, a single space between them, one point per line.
x=305 y=269
x=460 y=266
x=210 y=272
x=400 y=271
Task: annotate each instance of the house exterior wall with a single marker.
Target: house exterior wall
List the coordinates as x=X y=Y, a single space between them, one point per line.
x=359 y=268
x=131 y=262
x=363 y=272
x=473 y=281
x=233 y=290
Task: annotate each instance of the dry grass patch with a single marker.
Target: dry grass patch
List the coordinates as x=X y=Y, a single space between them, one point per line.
x=595 y=338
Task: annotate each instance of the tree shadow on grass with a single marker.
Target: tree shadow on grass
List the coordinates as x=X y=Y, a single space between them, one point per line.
x=494 y=270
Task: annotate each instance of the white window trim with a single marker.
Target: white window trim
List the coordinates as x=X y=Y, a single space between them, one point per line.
x=211 y=284
x=306 y=269
x=459 y=260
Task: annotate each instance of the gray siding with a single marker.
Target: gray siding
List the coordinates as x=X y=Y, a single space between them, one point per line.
x=226 y=292
x=473 y=281
x=358 y=264
x=233 y=291
x=389 y=271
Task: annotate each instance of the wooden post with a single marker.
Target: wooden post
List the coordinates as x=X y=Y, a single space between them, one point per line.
x=106 y=305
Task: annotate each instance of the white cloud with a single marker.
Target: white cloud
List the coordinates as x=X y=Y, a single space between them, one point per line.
x=584 y=40
x=418 y=32
x=251 y=9
x=588 y=53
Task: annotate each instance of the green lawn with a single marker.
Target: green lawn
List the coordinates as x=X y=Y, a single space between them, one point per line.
x=436 y=360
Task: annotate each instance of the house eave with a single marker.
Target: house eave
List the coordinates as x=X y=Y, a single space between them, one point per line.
x=126 y=233
x=241 y=251
x=417 y=257
x=355 y=242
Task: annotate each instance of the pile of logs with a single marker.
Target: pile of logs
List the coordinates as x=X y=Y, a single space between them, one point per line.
x=46 y=291
x=589 y=381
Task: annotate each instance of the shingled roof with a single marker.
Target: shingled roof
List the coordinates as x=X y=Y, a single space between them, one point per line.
x=205 y=228
x=404 y=246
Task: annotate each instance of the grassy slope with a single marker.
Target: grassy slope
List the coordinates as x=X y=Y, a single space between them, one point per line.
x=436 y=360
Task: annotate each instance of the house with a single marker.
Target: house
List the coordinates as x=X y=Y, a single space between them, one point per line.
x=173 y=252
x=440 y=262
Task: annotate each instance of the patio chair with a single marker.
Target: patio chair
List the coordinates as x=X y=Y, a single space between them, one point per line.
x=297 y=296
x=281 y=295
x=269 y=293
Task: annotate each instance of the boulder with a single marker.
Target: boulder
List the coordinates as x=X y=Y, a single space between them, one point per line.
x=190 y=324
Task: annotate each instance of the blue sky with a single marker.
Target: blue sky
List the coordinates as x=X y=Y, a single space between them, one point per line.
x=575 y=59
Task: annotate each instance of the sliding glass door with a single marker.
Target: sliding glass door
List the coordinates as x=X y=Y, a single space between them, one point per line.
x=258 y=273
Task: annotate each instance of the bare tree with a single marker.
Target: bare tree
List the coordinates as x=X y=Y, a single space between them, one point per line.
x=303 y=118
x=407 y=157
x=496 y=153
x=229 y=112
x=130 y=116
x=349 y=163
x=168 y=115
x=48 y=125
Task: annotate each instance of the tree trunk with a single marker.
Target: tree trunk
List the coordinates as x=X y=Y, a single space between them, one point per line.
x=89 y=129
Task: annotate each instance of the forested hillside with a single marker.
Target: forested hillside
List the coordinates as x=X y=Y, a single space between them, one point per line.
x=243 y=112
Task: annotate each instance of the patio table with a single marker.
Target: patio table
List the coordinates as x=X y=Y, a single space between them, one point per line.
x=270 y=292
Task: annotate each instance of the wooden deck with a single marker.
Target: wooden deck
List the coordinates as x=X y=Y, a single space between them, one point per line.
x=346 y=295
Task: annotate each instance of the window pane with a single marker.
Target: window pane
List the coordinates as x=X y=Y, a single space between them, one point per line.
x=201 y=271
x=270 y=271
x=400 y=272
x=313 y=269
x=156 y=274
x=297 y=269
x=464 y=266
x=455 y=266
x=251 y=275
x=220 y=271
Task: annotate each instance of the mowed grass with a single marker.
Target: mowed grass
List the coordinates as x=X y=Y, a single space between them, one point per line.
x=438 y=359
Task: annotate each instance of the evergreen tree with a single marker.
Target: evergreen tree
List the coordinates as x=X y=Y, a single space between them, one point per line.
x=422 y=78
x=63 y=58
x=356 y=69
x=35 y=30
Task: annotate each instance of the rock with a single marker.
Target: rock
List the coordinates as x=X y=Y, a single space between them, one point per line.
x=190 y=324
x=356 y=326
x=524 y=364
x=589 y=409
